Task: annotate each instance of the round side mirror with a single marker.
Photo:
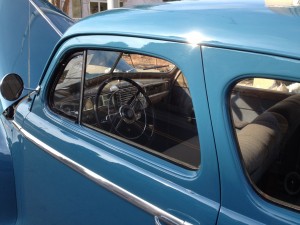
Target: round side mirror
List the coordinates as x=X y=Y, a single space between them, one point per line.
x=11 y=86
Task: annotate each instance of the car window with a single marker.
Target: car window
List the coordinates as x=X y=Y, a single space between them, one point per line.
x=66 y=94
x=266 y=124
x=141 y=100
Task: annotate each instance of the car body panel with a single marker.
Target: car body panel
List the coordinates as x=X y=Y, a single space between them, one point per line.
x=223 y=24
x=14 y=58
x=229 y=62
x=8 y=206
x=169 y=187
x=26 y=45
x=59 y=171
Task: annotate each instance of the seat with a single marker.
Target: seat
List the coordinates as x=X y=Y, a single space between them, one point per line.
x=187 y=151
x=290 y=109
x=260 y=142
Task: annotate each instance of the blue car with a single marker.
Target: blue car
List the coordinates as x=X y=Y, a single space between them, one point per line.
x=179 y=113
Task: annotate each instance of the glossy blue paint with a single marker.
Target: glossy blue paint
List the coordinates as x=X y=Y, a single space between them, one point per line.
x=26 y=45
x=247 y=25
x=180 y=190
x=8 y=206
x=16 y=34
x=214 y=43
x=235 y=185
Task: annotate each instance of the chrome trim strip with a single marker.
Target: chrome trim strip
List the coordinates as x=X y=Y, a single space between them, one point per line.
x=103 y=182
x=46 y=18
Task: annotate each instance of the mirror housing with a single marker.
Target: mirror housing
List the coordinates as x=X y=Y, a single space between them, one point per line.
x=11 y=86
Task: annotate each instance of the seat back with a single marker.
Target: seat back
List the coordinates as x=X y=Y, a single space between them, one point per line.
x=260 y=142
x=289 y=108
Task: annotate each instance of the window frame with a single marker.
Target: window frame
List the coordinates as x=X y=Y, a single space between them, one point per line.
x=67 y=58
x=265 y=196
x=59 y=70
x=98 y=6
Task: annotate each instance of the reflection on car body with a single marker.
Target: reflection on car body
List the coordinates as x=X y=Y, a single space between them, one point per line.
x=191 y=116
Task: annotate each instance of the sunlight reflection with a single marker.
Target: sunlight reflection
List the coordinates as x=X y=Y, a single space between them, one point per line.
x=194 y=38
x=282 y=3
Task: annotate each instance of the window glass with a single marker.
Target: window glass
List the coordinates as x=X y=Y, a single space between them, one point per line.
x=265 y=116
x=140 y=100
x=101 y=62
x=143 y=101
x=103 y=6
x=66 y=95
x=143 y=63
x=94 y=7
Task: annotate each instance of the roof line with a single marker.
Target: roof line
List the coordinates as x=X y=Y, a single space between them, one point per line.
x=220 y=45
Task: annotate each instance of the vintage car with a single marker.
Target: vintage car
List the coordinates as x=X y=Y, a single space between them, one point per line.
x=178 y=113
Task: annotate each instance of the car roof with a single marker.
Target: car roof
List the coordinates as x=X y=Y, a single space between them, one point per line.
x=254 y=25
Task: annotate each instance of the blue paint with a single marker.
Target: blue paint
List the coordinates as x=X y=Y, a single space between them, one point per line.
x=214 y=43
x=246 y=25
x=16 y=39
x=8 y=206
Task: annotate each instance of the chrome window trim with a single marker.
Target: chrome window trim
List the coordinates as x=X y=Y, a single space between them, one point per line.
x=158 y=213
x=46 y=18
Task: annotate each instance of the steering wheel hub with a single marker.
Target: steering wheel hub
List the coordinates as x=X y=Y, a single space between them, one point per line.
x=127 y=114
x=131 y=119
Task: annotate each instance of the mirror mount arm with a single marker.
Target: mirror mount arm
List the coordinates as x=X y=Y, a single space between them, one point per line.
x=36 y=91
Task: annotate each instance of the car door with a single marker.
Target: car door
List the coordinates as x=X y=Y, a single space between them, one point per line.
x=70 y=171
x=255 y=90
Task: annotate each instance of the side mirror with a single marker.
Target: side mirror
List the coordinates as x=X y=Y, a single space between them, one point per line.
x=11 y=86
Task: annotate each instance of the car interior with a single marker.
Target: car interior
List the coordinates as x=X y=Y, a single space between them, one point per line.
x=265 y=115
x=141 y=100
x=145 y=102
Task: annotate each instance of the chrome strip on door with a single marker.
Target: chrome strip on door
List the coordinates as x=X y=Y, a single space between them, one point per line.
x=103 y=182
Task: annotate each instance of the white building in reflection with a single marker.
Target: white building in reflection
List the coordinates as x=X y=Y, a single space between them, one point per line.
x=285 y=7
x=81 y=8
x=282 y=3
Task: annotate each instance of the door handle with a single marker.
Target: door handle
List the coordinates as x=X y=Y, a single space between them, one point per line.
x=168 y=221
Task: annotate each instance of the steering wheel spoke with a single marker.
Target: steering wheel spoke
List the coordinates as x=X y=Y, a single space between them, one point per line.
x=133 y=99
x=116 y=127
x=114 y=117
x=127 y=118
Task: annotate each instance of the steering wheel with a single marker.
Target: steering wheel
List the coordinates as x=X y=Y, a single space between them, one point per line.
x=129 y=109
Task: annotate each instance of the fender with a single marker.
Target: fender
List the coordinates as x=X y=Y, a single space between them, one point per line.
x=8 y=206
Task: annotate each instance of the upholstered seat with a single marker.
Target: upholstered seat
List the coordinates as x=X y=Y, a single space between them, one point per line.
x=290 y=109
x=260 y=142
x=187 y=151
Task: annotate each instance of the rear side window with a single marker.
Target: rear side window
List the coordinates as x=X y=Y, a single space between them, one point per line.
x=266 y=121
x=141 y=100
